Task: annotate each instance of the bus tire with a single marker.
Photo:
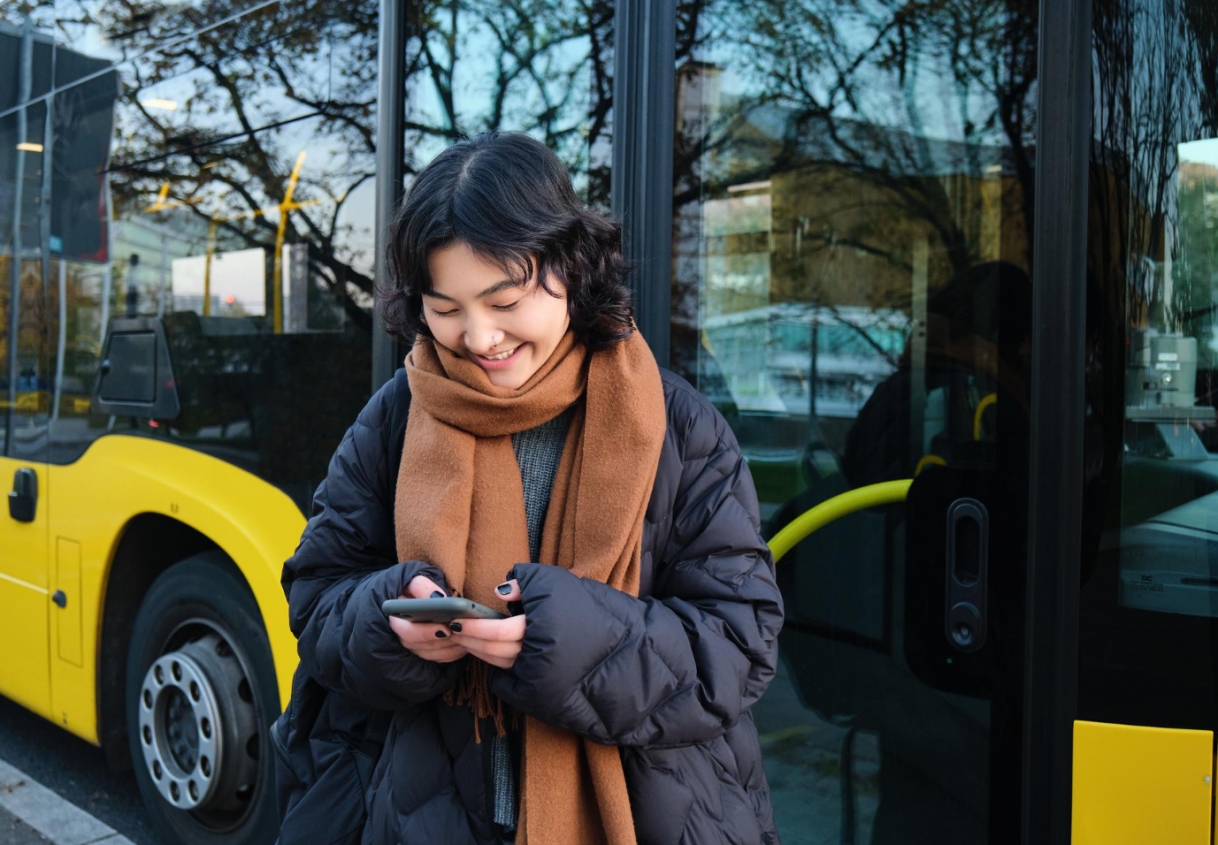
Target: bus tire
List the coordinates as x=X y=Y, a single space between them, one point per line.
x=201 y=693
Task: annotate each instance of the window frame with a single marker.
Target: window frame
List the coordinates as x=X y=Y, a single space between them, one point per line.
x=390 y=164
x=1059 y=266
x=644 y=119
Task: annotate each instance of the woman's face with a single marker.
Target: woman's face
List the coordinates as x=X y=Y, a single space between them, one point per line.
x=476 y=312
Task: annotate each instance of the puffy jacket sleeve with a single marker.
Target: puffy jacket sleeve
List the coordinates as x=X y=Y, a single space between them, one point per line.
x=681 y=665
x=346 y=566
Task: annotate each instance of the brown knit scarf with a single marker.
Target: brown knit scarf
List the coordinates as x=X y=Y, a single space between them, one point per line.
x=460 y=506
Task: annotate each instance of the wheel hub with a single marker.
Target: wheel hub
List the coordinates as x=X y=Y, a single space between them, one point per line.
x=198 y=729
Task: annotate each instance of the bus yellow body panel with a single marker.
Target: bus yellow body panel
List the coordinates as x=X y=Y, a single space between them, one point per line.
x=91 y=503
x=24 y=600
x=1135 y=785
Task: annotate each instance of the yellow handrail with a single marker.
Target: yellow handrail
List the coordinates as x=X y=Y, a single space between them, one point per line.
x=884 y=493
x=986 y=401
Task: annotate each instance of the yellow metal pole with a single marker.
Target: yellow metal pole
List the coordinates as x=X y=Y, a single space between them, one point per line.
x=276 y=264
x=885 y=493
x=211 y=248
x=927 y=461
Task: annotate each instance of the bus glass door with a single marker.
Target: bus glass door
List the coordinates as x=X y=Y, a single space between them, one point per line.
x=852 y=289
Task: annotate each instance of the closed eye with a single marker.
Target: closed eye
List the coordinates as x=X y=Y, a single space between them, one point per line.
x=507 y=307
x=444 y=313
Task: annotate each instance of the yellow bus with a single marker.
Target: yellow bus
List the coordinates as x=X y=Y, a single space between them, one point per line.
x=949 y=271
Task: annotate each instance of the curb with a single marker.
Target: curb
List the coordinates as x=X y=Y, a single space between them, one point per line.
x=55 y=818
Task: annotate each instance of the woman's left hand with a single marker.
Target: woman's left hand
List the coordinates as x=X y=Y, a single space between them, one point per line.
x=495 y=641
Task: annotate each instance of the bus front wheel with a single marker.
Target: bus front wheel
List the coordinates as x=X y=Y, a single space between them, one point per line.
x=200 y=695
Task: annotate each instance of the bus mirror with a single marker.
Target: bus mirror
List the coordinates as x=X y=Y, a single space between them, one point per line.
x=135 y=378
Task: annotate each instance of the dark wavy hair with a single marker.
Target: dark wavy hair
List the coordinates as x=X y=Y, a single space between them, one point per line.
x=509 y=198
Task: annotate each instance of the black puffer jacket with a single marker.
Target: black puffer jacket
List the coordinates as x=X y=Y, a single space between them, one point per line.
x=669 y=677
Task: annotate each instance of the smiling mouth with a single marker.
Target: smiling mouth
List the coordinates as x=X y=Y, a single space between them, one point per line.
x=502 y=356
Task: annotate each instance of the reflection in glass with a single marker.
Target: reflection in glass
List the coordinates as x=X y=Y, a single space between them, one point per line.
x=852 y=203
x=26 y=52
x=1151 y=560
x=221 y=181
x=542 y=68
x=234 y=283
x=24 y=189
x=117 y=32
x=1155 y=160
x=213 y=169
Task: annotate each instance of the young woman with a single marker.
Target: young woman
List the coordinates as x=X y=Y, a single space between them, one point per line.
x=549 y=469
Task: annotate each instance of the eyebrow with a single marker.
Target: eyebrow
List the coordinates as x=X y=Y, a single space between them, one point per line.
x=498 y=287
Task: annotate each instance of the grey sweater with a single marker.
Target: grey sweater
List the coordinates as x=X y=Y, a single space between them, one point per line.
x=538 y=452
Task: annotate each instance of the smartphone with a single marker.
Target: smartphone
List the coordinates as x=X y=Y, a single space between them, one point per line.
x=441 y=610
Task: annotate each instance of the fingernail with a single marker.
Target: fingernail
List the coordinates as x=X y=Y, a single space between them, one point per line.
x=503 y=589
x=441 y=634
x=438 y=594
x=455 y=627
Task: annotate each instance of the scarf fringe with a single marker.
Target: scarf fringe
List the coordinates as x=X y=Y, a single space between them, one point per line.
x=473 y=690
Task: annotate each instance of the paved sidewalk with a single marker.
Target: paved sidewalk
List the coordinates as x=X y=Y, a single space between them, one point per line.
x=31 y=814
x=13 y=831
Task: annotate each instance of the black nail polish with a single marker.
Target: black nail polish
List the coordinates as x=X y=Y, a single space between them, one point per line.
x=438 y=594
x=503 y=589
x=455 y=627
x=441 y=634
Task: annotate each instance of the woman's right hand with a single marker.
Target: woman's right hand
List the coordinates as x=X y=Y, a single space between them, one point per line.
x=427 y=640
